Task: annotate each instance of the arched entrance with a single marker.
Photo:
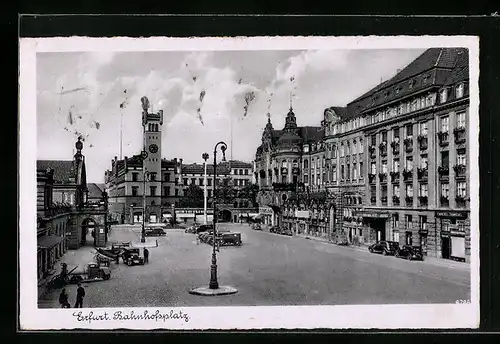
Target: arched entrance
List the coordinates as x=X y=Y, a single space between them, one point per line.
x=89 y=226
x=225 y=215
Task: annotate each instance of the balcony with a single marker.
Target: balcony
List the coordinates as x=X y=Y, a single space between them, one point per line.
x=409 y=201
x=382 y=177
x=461 y=201
x=423 y=142
x=423 y=201
x=459 y=171
x=371 y=178
x=460 y=135
x=444 y=201
x=408 y=143
x=395 y=177
x=407 y=175
x=371 y=150
x=384 y=200
x=444 y=172
x=443 y=138
x=422 y=173
x=395 y=200
x=383 y=148
x=395 y=147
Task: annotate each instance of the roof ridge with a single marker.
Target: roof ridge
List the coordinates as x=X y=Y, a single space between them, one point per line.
x=439 y=57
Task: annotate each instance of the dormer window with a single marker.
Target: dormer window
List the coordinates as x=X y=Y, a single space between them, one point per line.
x=424 y=80
x=398 y=90
x=443 y=95
x=459 y=91
x=410 y=85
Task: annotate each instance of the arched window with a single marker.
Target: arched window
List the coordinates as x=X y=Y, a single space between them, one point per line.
x=306 y=164
x=295 y=163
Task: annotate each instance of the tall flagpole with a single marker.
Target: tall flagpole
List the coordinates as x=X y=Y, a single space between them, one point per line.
x=121 y=133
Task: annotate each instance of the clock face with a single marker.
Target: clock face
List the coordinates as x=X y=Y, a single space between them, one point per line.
x=153 y=148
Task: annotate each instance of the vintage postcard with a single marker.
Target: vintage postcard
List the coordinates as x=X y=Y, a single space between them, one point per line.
x=249 y=183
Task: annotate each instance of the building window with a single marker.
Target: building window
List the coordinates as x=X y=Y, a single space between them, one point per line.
x=152 y=176
x=342 y=172
x=445 y=190
x=443 y=95
x=193 y=181
x=374 y=140
x=461 y=189
x=395 y=220
x=166 y=177
x=361 y=148
x=341 y=150
x=423 y=222
x=395 y=165
x=209 y=181
x=395 y=133
x=445 y=124
x=409 y=130
x=348 y=149
x=166 y=191
x=395 y=190
x=409 y=190
x=200 y=182
x=318 y=163
x=409 y=163
x=334 y=173
x=176 y=192
x=410 y=84
x=423 y=161
x=354 y=171
x=373 y=194
x=360 y=169
x=461 y=120
x=384 y=166
x=423 y=190
x=348 y=171
x=409 y=221
x=459 y=92
x=185 y=181
x=409 y=238
x=135 y=190
x=306 y=179
x=152 y=190
x=354 y=147
x=373 y=168
x=423 y=128
x=135 y=176
x=384 y=193
x=461 y=160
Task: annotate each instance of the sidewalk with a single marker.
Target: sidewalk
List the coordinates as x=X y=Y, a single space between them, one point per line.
x=364 y=248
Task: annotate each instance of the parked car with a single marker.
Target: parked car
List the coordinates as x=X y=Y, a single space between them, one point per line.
x=131 y=256
x=274 y=229
x=204 y=228
x=192 y=229
x=229 y=238
x=257 y=227
x=154 y=232
x=384 y=247
x=410 y=252
x=286 y=231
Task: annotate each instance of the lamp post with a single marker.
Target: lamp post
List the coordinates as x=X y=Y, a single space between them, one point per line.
x=143 y=232
x=213 y=286
x=205 y=157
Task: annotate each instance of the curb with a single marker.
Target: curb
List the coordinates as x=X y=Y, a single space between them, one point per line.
x=206 y=291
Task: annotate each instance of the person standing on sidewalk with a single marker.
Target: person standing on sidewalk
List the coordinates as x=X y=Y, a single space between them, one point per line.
x=63 y=299
x=146 y=255
x=80 y=293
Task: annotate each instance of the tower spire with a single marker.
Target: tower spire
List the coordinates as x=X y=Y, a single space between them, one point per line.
x=291 y=108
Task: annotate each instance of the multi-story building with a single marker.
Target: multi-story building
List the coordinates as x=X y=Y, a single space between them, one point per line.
x=164 y=181
x=392 y=163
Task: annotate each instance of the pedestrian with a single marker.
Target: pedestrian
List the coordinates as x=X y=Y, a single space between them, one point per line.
x=80 y=293
x=63 y=299
x=146 y=255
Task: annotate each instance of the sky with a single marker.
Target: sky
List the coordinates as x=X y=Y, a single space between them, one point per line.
x=206 y=97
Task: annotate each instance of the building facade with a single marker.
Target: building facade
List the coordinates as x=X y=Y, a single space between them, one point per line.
x=163 y=181
x=392 y=164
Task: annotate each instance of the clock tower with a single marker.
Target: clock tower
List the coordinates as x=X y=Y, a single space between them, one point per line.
x=152 y=123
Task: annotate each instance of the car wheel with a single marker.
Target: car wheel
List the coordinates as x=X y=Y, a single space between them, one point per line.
x=408 y=257
x=370 y=249
x=384 y=252
x=396 y=254
x=129 y=263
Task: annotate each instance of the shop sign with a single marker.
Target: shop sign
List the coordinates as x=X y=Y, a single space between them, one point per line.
x=373 y=215
x=303 y=214
x=265 y=211
x=457 y=232
x=423 y=231
x=452 y=214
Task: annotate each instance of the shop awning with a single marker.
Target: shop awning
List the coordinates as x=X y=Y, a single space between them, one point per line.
x=48 y=241
x=185 y=215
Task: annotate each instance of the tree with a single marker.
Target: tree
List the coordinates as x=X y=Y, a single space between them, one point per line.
x=193 y=197
x=225 y=192
x=250 y=192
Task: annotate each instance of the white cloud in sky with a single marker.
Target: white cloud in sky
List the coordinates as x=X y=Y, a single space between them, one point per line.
x=95 y=84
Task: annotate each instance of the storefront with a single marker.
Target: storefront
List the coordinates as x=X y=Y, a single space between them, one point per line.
x=454 y=231
x=267 y=216
x=375 y=224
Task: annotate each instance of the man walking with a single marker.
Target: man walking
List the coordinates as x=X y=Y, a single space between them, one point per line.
x=146 y=255
x=80 y=293
x=63 y=299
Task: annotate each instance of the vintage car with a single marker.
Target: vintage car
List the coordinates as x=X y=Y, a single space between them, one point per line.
x=286 y=231
x=410 y=252
x=204 y=228
x=274 y=229
x=257 y=227
x=229 y=238
x=384 y=247
x=131 y=256
x=154 y=231
x=192 y=229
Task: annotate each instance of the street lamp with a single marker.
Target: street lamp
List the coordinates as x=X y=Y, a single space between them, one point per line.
x=143 y=232
x=213 y=286
x=205 y=157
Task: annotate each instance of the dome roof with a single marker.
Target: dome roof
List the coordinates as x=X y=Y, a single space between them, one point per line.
x=289 y=139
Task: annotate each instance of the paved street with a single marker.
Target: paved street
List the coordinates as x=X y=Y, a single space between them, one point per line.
x=269 y=269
